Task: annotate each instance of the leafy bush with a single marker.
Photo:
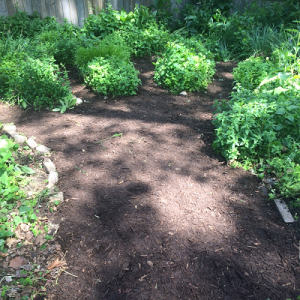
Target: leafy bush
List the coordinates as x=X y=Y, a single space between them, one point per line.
x=111 y=76
x=182 y=68
x=61 y=43
x=21 y=24
x=33 y=82
x=111 y=45
x=256 y=128
x=251 y=72
x=103 y=24
x=145 y=41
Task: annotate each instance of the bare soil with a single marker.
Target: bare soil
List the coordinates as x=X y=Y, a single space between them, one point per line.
x=155 y=213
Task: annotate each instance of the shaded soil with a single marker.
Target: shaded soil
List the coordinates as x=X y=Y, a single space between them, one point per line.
x=158 y=214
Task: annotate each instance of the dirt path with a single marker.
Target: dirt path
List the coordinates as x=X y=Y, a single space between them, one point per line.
x=158 y=215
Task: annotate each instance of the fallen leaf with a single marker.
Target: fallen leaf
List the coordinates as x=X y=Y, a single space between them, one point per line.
x=56 y=263
x=3 y=254
x=24 y=227
x=40 y=240
x=10 y=241
x=17 y=262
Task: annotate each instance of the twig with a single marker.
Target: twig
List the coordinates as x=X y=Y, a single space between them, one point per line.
x=69 y=273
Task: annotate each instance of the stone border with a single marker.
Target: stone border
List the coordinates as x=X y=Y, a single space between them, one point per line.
x=11 y=130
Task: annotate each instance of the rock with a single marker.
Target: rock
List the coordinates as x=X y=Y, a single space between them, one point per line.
x=263 y=190
x=43 y=149
x=52 y=179
x=8 y=278
x=78 y=101
x=32 y=143
x=19 y=139
x=284 y=211
x=9 y=129
x=183 y=94
x=49 y=165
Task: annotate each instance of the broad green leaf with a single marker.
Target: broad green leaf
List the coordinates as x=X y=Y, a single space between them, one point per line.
x=27 y=170
x=280 y=111
x=278 y=127
x=279 y=90
x=24 y=209
x=290 y=118
x=17 y=220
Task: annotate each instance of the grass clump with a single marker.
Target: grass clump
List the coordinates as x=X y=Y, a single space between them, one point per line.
x=112 y=45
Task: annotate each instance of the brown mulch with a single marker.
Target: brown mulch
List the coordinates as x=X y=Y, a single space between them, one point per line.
x=158 y=214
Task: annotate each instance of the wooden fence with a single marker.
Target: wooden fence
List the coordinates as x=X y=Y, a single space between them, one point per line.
x=75 y=11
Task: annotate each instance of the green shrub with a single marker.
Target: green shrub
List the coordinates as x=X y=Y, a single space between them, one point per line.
x=103 y=24
x=111 y=76
x=251 y=72
x=21 y=24
x=260 y=130
x=33 y=82
x=111 y=45
x=183 y=69
x=255 y=125
x=145 y=41
x=60 y=43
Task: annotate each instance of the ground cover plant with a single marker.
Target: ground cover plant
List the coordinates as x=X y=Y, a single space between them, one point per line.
x=259 y=125
x=15 y=205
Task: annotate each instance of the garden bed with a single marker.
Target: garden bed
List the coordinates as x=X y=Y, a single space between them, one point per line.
x=153 y=212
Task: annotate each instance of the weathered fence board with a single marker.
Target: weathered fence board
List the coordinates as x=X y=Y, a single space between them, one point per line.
x=52 y=8
x=28 y=6
x=3 y=8
x=36 y=6
x=59 y=11
x=75 y=11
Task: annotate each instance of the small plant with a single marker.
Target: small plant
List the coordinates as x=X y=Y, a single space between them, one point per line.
x=251 y=72
x=182 y=68
x=103 y=24
x=111 y=76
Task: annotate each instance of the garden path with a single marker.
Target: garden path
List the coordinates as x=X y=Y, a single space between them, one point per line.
x=154 y=213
